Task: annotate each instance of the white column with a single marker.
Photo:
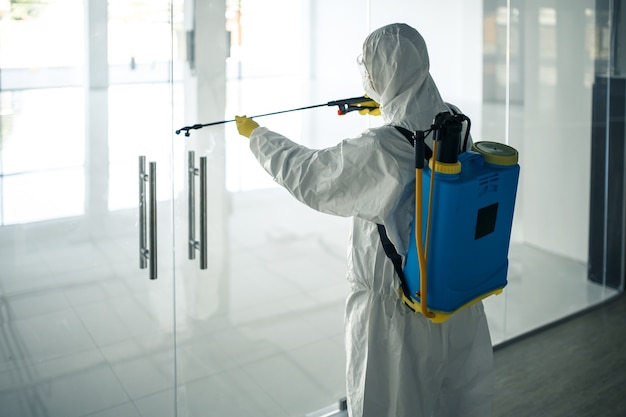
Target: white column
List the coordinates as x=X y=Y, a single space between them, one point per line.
x=96 y=84
x=205 y=101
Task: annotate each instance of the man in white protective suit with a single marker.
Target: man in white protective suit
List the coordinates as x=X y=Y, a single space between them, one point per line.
x=398 y=362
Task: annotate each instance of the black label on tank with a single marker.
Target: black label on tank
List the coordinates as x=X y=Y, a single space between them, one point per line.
x=486 y=220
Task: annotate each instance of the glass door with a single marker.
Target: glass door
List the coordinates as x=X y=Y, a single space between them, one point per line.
x=260 y=331
x=86 y=197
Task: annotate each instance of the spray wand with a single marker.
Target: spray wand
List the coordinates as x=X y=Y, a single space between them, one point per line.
x=345 y=105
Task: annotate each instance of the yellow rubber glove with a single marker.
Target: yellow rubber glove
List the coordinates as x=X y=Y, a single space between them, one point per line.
x=245 y=125
x=375 y=111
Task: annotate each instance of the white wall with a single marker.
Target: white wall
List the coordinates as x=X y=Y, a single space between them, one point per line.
x=453 y=32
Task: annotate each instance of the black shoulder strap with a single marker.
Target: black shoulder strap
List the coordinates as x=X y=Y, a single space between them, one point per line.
x=428 y=153
x=392 y=254
x=388 y=247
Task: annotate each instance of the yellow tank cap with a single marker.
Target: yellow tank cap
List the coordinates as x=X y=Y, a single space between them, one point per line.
x=496 y=153
x=445 y=168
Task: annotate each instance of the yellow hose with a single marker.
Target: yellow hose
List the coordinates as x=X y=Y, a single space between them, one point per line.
x=421 y=253
x=430 y=200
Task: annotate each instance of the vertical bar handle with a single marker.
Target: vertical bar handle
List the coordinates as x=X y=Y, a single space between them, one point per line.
x=147 y=214
x=153 y=222
x=191 y=182
x=194 y=244
x=203 y=213
x=143 y=236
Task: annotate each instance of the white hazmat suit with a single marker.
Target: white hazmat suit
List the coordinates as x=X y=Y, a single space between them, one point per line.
x=398 y=362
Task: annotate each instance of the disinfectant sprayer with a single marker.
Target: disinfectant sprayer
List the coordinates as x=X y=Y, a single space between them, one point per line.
x=458 y=252
x=345 y=105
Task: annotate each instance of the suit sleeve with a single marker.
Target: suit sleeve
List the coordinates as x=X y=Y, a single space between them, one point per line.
x=354 y=178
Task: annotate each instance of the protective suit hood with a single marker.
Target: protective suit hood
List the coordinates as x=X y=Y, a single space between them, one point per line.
x=396 y=60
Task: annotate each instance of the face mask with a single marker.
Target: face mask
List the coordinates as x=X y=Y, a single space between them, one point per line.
x=366 y=79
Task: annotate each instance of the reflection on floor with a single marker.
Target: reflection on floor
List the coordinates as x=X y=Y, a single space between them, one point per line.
x=93 y=340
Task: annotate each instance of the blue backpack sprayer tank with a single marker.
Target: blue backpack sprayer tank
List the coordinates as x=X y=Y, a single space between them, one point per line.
x=458 y=251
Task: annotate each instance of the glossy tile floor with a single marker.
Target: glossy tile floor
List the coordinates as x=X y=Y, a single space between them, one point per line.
x=90 y=341
x=84 y=332
x=552 y=364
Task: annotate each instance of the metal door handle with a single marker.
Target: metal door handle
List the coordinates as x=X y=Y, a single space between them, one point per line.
x=147 y=214
x=191 y=204
x=203 y=214
x=143 y=227
x=194 y=244
x=153 y=222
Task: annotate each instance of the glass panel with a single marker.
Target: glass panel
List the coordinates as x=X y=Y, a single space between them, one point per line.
x=260 y=332
x=85 y=331
x=554 y=125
